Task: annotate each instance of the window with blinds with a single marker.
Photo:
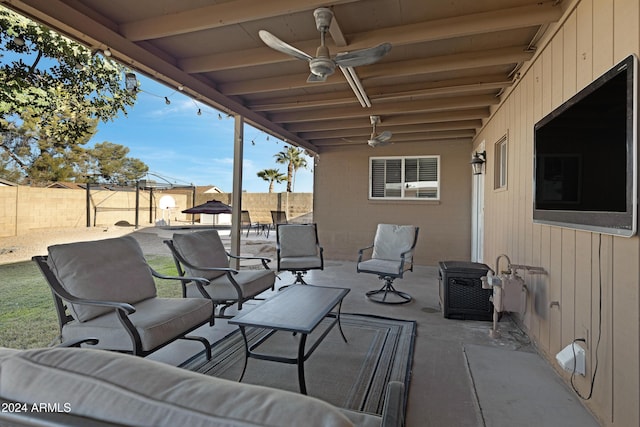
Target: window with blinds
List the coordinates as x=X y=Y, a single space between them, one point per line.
x=500 y=164
x=404 y=177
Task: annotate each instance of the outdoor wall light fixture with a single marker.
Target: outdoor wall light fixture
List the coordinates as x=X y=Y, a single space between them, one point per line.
x=131 y=82
x=477 y=161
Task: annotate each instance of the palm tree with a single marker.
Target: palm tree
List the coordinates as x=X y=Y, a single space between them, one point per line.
x=272 y=175
x=294 y=159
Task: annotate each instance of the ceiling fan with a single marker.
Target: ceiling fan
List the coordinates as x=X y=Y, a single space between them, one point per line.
x=322 y=65
x=381 y=139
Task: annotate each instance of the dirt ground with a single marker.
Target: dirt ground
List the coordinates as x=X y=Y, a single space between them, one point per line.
x=22 y=248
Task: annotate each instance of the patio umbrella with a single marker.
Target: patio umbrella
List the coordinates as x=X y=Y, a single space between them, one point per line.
x=211 y=207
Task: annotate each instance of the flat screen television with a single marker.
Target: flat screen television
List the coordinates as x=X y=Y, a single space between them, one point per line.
x=585 y=157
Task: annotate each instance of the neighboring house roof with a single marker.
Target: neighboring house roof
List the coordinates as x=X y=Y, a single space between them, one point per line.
x=5 y=183
x=67 y=185
x=214 y=189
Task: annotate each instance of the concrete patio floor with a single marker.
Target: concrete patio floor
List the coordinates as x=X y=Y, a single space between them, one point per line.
x=460 y=375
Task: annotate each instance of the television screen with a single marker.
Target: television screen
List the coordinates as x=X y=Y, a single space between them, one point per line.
x=585 y=157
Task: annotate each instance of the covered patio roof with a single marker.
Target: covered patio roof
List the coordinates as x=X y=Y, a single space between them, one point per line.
x=449 y=62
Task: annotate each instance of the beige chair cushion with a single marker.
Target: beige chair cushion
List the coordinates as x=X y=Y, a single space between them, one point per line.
x=383 y=266
x=133 y=391
x=392 y=240
x=300 y=263
x=108 y=270
x=157 y=320
x=251 y=282
x=202 y=248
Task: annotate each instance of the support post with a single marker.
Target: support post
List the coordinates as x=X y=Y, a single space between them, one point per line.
x=88 y=202
x=150 y=205
x=236 y=201
x=137 y=221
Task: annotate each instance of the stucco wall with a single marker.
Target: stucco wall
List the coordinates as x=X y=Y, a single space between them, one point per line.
x=585 y=271
x=347 y=219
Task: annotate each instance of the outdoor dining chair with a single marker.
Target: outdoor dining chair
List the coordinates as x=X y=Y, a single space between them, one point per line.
x=245 y=221
x=277 y=217
x=390 y=256
x=298 y=249
x=202 y=254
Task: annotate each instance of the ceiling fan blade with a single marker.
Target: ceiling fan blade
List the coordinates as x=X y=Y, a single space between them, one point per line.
x=362 y=56
x=314 y=78
x=275 y=43
x=376 y=143
x=384 y=136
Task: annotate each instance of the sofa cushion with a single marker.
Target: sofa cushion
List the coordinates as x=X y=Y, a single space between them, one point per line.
x=7 y=352
x=133 y=391
x=107 y=270
x=202 y=249
x=157 y=320
x=362 y=419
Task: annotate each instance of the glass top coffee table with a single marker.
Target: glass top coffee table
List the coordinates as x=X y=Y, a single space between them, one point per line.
x=298 y=309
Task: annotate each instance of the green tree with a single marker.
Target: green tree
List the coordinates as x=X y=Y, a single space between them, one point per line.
x=53 y=93
x=110 y=161
x=294 y=158
x=40 y=157
x=272 y=175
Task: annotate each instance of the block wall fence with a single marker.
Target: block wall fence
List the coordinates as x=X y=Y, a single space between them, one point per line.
x=27 y=209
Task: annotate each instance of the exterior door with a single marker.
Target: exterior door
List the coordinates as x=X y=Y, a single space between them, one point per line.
x=477 y=215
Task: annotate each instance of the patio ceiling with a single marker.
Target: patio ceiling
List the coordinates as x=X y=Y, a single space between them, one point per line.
x=449 y=63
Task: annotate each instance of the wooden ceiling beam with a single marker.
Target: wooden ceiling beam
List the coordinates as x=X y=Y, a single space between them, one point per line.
x=422 y=136
x=392 y=120
x=479 y=23
x=383 y=94
x=215 y=16
x=444 y=63
x=461 y=61
x=399 y=129
x=432 y=105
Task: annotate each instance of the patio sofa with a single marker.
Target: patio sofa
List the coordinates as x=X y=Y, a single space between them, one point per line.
x=89 y=387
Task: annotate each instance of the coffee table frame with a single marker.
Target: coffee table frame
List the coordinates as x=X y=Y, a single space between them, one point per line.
x=298 y=309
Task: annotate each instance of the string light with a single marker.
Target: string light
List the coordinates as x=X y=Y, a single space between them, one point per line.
x=166 y=100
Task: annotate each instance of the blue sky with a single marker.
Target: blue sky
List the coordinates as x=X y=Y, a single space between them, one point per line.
x=187 y=148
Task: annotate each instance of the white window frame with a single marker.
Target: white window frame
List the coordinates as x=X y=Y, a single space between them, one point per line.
x=501 y=168
x=403 y=185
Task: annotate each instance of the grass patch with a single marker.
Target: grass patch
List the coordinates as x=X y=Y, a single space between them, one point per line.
x=27 y=313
